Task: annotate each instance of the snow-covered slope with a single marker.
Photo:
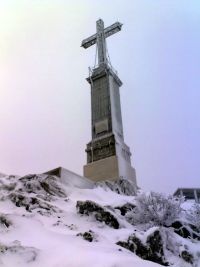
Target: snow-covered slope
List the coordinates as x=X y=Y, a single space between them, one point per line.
x=41 y=225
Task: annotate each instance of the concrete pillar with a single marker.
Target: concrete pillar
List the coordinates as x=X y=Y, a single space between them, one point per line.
x=181 y=192
x=195 y=196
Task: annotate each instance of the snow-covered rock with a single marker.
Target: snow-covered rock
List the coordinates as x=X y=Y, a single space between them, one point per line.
x=152 y=249
x=100 y=213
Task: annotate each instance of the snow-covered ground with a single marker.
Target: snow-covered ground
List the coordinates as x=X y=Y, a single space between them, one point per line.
x=39 y=226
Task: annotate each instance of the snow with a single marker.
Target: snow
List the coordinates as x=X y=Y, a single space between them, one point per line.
x=72 y=179
x=187 y=205
x=39 y=237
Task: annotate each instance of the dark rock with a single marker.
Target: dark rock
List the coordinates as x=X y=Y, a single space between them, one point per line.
x=125 y=208
x=4 y=221
x=152 y=250
x=155 y=243
x=194 y=228
x=88 y=236
x=186 y=256
x=186 y=230
x=176 y=225
x=23 y=201
x=181 y=230
x=135 y=245
x=100 y=213
x=17 y=199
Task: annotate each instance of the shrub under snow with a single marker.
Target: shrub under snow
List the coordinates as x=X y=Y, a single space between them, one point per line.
x=155 y=208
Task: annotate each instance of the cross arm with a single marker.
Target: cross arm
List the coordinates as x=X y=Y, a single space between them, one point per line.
x=116 y=27
x=89 y=41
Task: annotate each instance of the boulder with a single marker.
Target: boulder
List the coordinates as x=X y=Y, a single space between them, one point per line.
x=152 y=250
x=125 y=208
x=100 y=213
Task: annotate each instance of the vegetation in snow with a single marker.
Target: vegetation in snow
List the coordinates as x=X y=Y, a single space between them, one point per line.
x=156 y=209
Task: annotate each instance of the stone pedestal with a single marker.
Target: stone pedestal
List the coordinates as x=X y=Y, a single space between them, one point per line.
x=109 y=169
x=99 y=170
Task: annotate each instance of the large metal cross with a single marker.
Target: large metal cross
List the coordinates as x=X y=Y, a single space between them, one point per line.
x=99 y=38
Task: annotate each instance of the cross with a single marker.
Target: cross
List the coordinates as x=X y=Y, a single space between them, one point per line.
x=99 y=38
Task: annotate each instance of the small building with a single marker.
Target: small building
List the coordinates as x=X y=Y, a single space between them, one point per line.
x=189 y=193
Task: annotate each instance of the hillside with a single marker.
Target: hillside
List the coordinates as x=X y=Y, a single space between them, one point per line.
x=44 y=222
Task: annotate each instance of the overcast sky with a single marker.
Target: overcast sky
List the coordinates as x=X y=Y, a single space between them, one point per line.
x=45 y=100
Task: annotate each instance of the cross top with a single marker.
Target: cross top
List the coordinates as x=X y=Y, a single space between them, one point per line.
x=99 y=38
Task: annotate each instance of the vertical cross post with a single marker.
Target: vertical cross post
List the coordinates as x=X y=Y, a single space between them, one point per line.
x=101 y=42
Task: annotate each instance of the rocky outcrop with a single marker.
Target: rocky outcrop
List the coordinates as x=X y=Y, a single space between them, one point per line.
x=33 y=192
x=32 y=203
x=152 y=250
x=42 y=184
x=186 y=230
x=100 y=213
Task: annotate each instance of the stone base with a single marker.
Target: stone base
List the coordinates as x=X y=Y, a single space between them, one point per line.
x=101 y=170
x=111 y=169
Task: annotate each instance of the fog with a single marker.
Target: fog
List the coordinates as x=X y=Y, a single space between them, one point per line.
x=45 y=99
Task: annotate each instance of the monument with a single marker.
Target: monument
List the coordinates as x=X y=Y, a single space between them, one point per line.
x=108 y=157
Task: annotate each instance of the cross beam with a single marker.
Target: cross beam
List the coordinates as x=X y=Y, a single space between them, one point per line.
x=99 y=38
